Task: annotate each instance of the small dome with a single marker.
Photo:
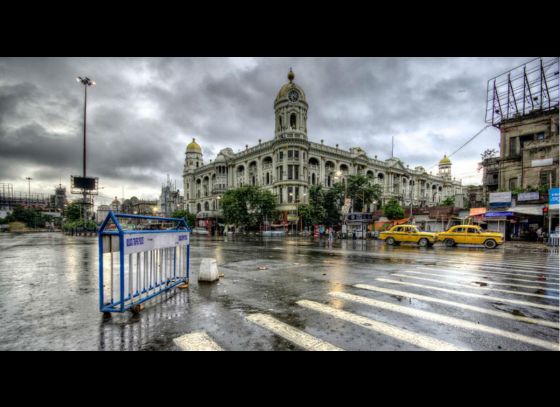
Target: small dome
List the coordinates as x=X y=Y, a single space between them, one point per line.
x=445 y=160
x=193 y=147
x=286 y=88
x=220 y=158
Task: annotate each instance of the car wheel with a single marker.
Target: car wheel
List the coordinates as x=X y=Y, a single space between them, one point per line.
x=449 y=242
x=490 y=244
x=390 y=241
x=423 y=242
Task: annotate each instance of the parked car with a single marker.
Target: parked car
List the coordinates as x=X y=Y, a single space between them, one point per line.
x=470 y=234
x=200 y=231
x=407 y=233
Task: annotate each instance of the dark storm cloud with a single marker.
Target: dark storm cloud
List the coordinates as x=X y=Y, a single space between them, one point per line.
x=144 y=111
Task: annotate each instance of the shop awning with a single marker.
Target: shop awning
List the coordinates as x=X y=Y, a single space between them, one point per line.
x=535 y=210
x=477 y=211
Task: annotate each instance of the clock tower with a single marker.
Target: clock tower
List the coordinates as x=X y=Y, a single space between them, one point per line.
x=290 y=108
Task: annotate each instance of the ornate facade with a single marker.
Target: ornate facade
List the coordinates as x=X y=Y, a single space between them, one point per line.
x=289 y=164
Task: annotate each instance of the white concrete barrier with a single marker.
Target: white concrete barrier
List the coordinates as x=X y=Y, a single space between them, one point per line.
x=208 y=270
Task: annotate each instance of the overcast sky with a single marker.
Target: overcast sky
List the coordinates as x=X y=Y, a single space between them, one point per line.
x=144 y=111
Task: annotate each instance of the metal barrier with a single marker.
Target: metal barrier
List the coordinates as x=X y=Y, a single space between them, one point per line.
x=151 y=260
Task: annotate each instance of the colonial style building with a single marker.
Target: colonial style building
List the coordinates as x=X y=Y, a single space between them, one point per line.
x=290 y=163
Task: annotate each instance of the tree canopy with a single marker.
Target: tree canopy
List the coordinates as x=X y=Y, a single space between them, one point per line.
x=248 y=206
x=393 y=210
x=189 y=217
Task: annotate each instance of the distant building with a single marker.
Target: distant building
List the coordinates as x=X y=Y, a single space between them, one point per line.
x=102 y=212
x=170 y=199
x=115 y=205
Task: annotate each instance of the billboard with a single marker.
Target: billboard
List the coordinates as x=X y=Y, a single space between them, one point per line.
x=553 y=199
x=87 y=183
x=500 y=199
x=528 y=196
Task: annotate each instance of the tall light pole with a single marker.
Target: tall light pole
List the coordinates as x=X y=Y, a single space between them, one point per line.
x=28 y=189
x=86 y=82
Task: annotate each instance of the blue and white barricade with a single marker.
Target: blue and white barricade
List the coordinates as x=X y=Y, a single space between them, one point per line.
x=140 y=257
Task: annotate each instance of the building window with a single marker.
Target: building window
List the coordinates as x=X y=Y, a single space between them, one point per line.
x=512 y=184
x=290 y=194
x=547 y=178
x=290 y=154
x=512 y=146
x=293 y=121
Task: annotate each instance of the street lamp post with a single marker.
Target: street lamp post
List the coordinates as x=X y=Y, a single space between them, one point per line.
x=86 y=82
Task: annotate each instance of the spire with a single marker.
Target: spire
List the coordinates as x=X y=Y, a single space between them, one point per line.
x=291 y=75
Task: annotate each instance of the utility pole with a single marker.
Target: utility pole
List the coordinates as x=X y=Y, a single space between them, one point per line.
x=86 y=82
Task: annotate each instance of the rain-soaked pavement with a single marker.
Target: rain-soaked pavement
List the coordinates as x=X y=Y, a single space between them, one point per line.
x=286 y=294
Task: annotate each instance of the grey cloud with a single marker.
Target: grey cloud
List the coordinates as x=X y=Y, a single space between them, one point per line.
x=353 y=102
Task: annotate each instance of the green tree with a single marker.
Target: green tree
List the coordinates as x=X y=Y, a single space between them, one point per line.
x=189 y=217
x=248 y=206
x=73 y=212
x=362 y=191
x=332 y=202
x=393 y=210
x=449 y=201
x=314 y=213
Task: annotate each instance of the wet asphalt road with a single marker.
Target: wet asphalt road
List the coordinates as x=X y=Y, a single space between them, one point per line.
x=353 y=296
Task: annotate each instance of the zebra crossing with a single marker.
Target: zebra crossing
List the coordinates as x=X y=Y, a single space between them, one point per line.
x=513 y=304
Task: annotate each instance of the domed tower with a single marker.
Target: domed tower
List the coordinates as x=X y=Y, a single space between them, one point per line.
x=290 y=109
x=445 y=167
x=291 y=148
x=193 y=157
x=193 y=160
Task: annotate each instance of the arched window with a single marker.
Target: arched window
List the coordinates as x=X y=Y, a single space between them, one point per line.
x=267 y=178
x=198 y=207
x=293 y=120
x=206 y=206
x=313 y=179
x=280 y=121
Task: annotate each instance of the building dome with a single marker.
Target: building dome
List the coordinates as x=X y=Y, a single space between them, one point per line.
x=193 y=147
x=445 y=160
x=286 y=88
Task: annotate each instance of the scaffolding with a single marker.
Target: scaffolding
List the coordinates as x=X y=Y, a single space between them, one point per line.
x=531 y=88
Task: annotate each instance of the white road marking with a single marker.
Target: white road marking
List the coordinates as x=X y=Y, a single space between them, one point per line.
x=476 y=287
x=517 y=269
x=300 y=338
x=494 y=274
x=466 y=294
x=443 y=319
x=501 y=314
x=484 y=281
x=196 y=341
x=419 y=340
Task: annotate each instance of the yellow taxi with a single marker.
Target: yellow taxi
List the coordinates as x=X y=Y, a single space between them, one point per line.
x=407 y=233
x=470 y=234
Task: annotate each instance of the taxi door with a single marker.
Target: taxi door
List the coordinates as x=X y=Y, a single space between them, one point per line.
x=460 y=236
x=474 y=236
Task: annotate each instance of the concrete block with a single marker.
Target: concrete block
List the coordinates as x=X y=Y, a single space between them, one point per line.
x=208 y=270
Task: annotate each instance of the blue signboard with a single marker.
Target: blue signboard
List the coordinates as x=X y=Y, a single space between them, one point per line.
x=553 y=196
x=497 y=214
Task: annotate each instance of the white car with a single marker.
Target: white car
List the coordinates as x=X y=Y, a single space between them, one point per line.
x=200 y=231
